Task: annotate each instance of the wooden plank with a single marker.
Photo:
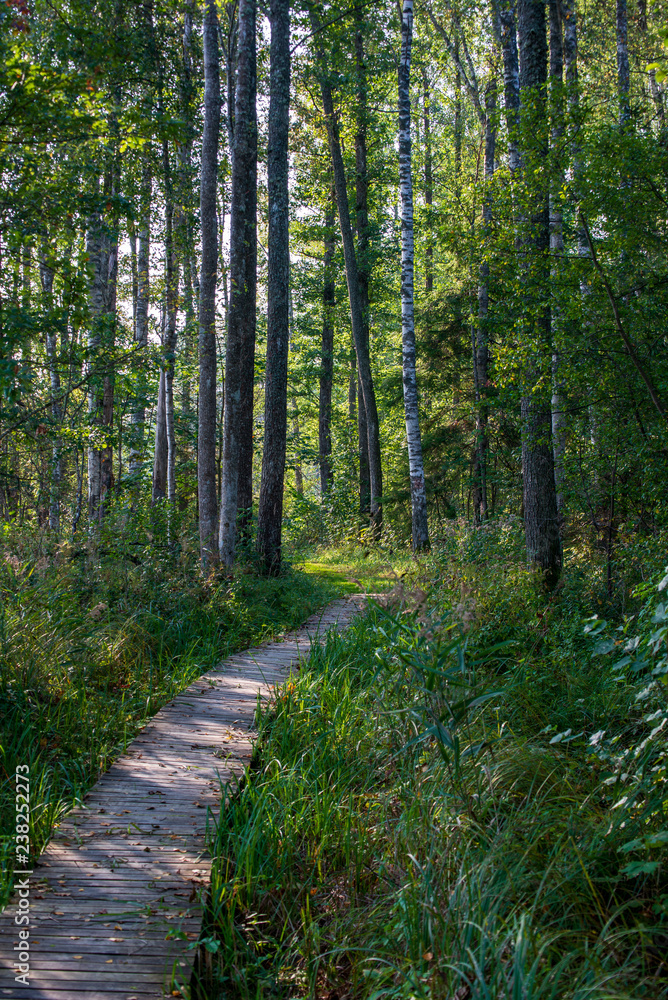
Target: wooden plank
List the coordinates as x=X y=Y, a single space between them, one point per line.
x=128 y=867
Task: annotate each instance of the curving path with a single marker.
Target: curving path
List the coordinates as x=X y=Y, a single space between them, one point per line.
x=116 y=897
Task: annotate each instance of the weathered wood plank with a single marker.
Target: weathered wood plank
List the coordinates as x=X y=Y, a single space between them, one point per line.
x=116 y=896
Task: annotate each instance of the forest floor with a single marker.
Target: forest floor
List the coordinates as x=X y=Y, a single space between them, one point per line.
x=464 y=796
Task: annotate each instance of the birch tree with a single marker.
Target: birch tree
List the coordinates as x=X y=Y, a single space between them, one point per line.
x=206 y=438
x=420 y=533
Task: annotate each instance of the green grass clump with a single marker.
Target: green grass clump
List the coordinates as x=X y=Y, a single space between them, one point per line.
x=92 y=644
x=441 y=808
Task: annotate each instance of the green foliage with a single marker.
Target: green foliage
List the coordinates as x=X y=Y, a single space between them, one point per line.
x=430 y=814
x=94 y=640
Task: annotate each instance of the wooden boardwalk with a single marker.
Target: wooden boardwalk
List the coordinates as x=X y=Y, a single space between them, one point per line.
x=116 y=897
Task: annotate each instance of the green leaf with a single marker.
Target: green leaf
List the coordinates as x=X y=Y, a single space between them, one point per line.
x=640 y=868
x=604 y=646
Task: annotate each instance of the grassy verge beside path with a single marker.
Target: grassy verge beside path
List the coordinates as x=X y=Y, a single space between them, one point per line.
x=92 y=645
x=463 y=798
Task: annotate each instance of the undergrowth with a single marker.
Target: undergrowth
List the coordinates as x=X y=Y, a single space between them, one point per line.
x=95 y=638
x=464 y=798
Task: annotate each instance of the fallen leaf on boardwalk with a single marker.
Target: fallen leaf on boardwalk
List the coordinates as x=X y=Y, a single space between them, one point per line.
x=77 y=956
x=109 y=961
x=117 y=939
x=59 y=913
x=117 y=927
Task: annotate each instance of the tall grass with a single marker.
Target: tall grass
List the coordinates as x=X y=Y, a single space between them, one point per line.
x=92 y=644
x=435 y=809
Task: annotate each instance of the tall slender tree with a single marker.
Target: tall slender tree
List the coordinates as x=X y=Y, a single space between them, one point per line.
x=206 y=437
x=138 y=414
x=481 y=341
x=46 y=272
x=557 y=244
x=363 y=244
x=237 y=427
x=420 y=528
x=327 y=353
x=352 y=280
x=270 y=511
x=541 y=521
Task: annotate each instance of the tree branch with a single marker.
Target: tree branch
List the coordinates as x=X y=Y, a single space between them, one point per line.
x=620 y=327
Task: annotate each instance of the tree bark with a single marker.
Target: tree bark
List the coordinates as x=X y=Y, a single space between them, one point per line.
x=159 y=491
x=171 y=312
x=352 y=278
x=420 y=530
x=511 y=80
x=428 y=189
x=239 y=367
x=541 y=520
x=327 y=354
x=102 y=251
x=481 y=345
x=138 y=414
x=270 y=510
x=184 y=219
x=557 y=250
x=46 y=276
x=623 y=71
x=206 y=438
x=245 y=491
x=363 y=248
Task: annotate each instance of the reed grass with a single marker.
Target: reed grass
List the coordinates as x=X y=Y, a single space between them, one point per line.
x=91 y=646
x=428 y=816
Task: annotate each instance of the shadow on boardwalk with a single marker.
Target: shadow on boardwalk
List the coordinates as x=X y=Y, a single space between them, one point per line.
x=116 y=897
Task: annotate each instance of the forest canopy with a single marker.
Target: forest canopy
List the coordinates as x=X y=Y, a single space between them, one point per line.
x=361 y=267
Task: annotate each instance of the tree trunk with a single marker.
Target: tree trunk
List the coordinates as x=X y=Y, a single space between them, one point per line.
x=511 y=80
x=206 y=437
x=171 y=311
x=540 y=505
x=138 y=414
x=296 y=433
x=185 y=216
x=101 y=250
x=420 y=532
x=245 y=487
x=160 y=448
x=46 y=276
x=557 y=250
x=327 y=355
x=352 y=278
x=428 y=189
x=623 y=71
x=363 y=259
x=270 y=510
x=238 y=421
x=481 y=345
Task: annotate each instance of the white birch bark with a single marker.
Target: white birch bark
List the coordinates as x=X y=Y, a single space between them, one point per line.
x=416 y=466
x=138 y=414
x=46 y=277
x=98 y=263
x=206 y=437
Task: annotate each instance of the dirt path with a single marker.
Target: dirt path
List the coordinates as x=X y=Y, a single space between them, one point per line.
x=116 y=897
